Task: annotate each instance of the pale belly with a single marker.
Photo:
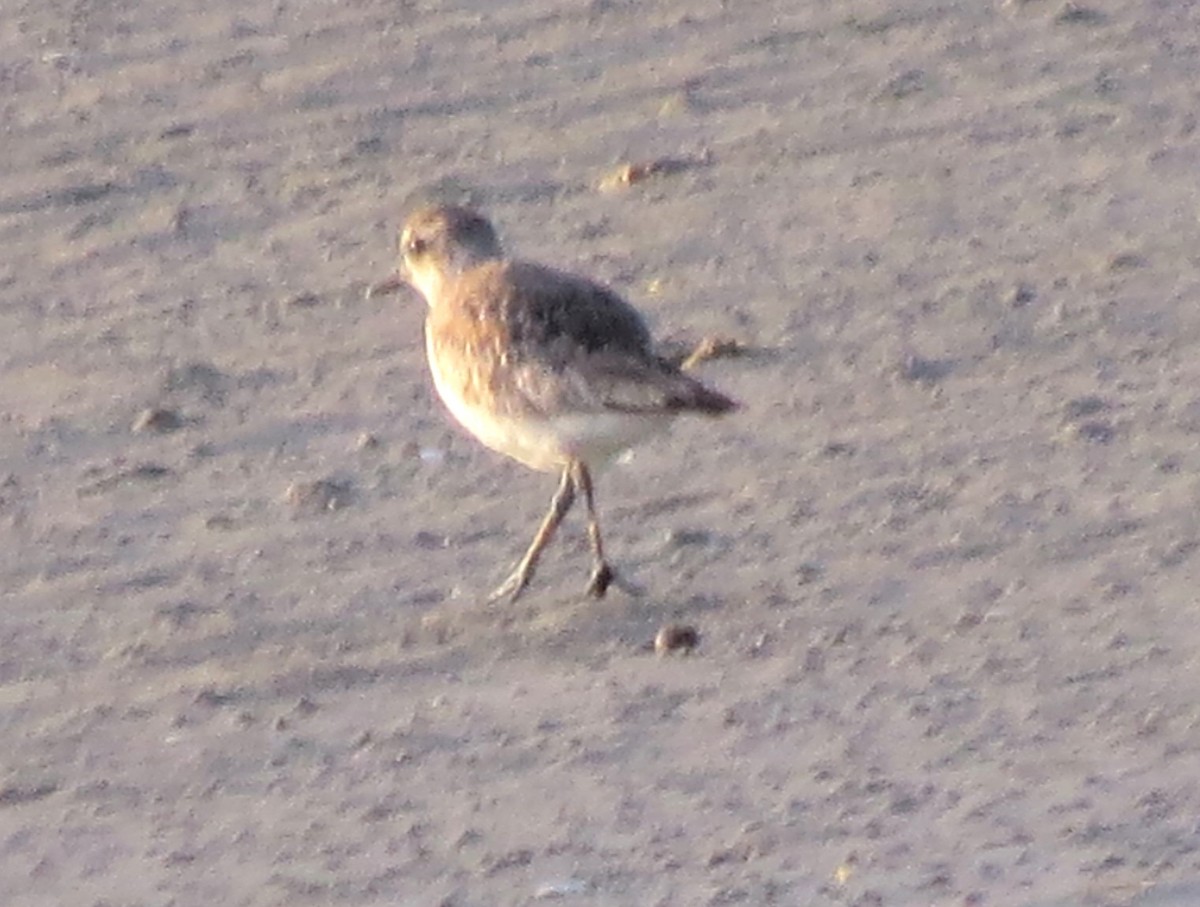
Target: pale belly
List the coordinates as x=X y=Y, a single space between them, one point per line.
x=547 y=443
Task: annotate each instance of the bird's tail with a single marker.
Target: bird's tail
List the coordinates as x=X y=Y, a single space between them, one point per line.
x=694 y=396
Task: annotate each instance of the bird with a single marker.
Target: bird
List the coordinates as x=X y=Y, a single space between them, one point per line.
x=549 y=368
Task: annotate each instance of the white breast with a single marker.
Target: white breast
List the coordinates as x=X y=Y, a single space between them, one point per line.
x=546 y=442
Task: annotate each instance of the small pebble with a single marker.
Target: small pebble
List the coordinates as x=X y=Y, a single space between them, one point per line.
x=1021 y=295
x=673 y=638
x=631 y=173
x=321 y=496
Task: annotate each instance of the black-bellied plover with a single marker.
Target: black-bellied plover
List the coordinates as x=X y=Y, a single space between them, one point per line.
x=551 y=369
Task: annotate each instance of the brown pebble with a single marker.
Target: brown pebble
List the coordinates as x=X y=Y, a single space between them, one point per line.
x=676 y=638
x=633 y=172
x=322 y=496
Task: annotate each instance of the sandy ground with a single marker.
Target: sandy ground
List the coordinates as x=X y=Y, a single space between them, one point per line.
x=945 y=562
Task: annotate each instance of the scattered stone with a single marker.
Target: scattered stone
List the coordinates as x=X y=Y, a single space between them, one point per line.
x=630 y=173
x=321 y=496
x=1021 y=295
x=366 y=441
x=158 y=419
x=672 y=638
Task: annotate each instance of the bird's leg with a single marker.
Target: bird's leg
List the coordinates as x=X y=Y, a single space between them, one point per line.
x=603 y=575
x=564 y=497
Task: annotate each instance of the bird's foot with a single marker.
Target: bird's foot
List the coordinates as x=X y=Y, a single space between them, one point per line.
x=602 y=578
x=605 y=577
x=510 y=590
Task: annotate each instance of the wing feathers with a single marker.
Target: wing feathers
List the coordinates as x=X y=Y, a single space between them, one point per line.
x=544 y=341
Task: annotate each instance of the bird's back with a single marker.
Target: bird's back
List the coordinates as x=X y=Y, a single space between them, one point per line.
x=562 y=342
x=531 y=359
